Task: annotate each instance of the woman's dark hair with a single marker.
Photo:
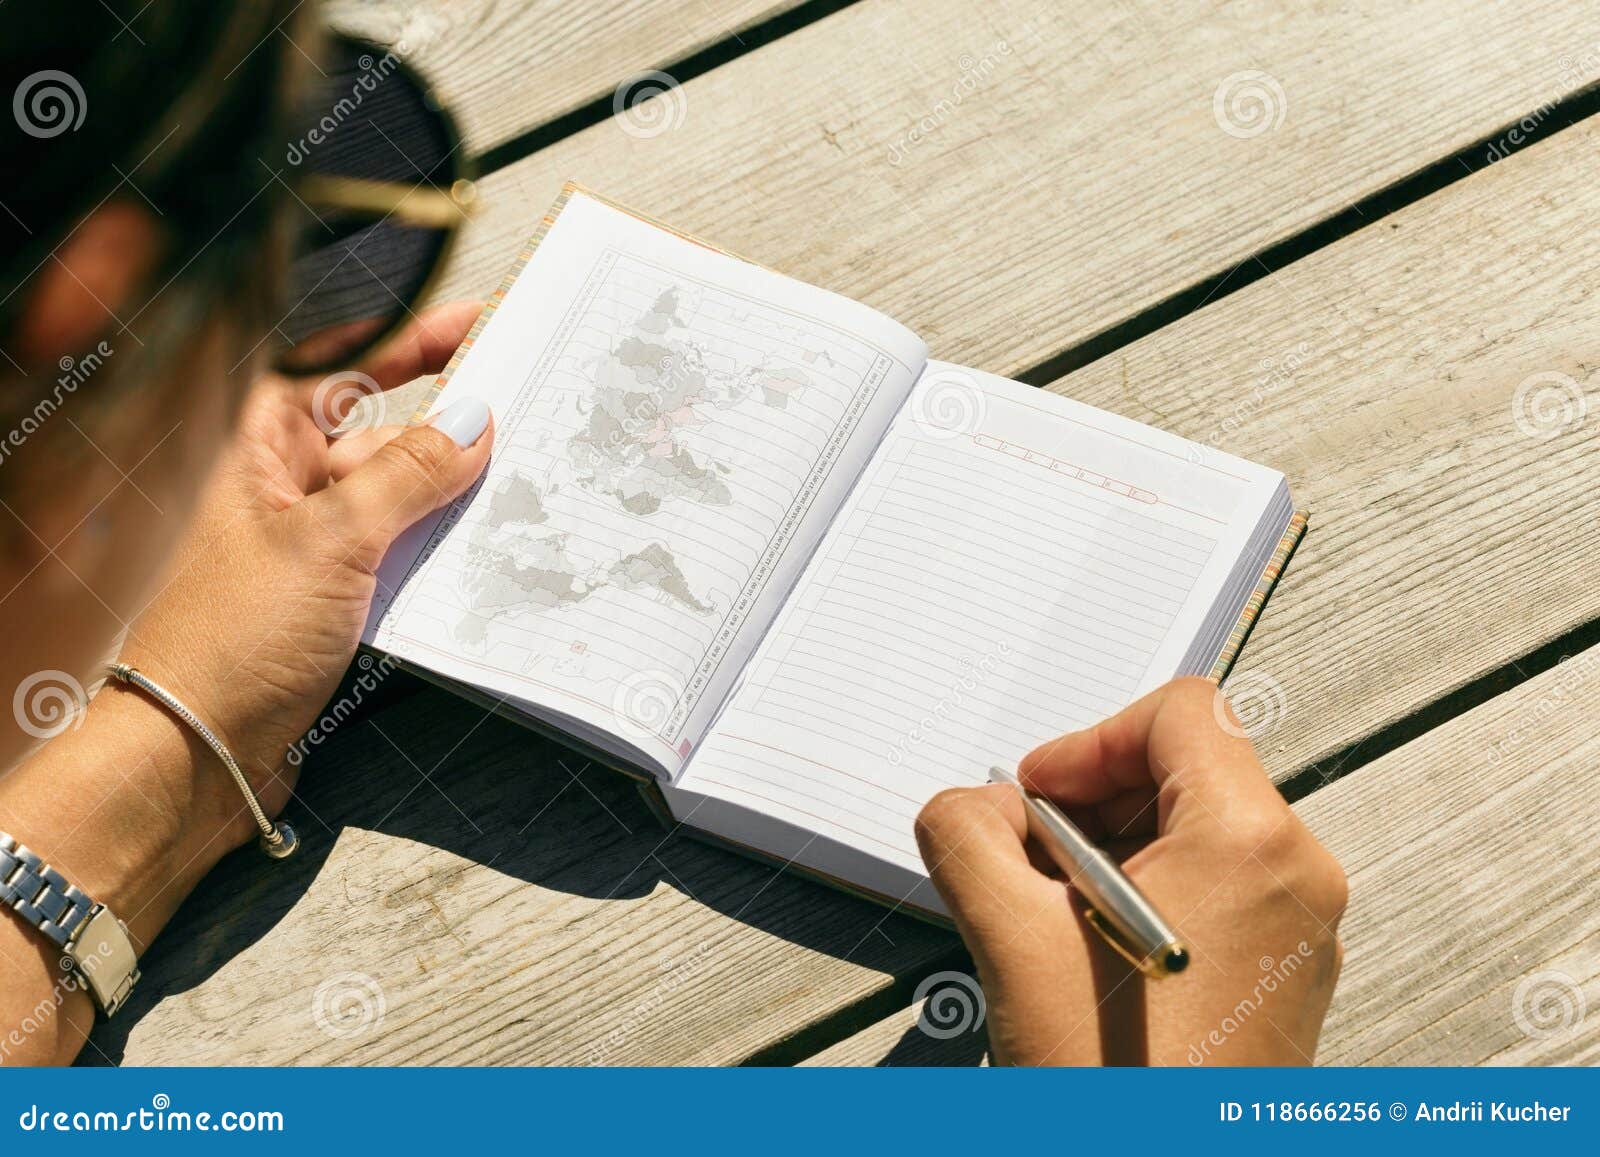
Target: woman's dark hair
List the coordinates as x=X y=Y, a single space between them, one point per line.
x=177 y=105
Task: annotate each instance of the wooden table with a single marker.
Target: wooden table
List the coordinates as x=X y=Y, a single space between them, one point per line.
x=1335 y=281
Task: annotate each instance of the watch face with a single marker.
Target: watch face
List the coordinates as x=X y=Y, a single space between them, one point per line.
x=103 y=955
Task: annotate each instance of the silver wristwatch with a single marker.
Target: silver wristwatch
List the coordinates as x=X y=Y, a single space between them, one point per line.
x=94 y=943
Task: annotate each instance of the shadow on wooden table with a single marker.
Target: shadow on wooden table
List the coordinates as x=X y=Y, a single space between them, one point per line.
x=917 y=1048
x=434 y=772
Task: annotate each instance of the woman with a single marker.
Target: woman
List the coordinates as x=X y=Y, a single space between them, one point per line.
x=168 y=499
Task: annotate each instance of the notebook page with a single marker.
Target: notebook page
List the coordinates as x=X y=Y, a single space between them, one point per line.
x=1013 y=565
x=674 y=430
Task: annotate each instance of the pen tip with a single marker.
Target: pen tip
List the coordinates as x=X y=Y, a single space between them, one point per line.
x=1177 y=959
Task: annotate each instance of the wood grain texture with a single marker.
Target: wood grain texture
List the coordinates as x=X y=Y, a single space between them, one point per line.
x=1472 y=936
x=469 y=893
x=507 y=913
x=1378 y=375
x=507 y=66
x=1425 y=385
x=1071 y=168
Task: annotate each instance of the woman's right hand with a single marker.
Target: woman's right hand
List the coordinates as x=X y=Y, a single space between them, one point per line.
x=1175 y=790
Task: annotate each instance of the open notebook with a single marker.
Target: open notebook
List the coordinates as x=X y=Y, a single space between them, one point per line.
x=744 y=540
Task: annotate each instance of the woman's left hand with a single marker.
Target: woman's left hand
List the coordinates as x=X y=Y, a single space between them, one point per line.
x=263 y=608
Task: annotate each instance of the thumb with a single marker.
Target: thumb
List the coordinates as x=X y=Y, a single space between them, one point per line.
x=408 y=477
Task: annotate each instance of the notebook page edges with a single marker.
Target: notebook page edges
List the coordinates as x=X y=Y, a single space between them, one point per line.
x=674 y=429
x=1012 y=565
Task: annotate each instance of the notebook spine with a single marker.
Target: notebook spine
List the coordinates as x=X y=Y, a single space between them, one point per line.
x=1257 y=601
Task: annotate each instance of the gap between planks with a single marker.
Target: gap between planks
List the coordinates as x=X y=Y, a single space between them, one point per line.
x=1152 y=394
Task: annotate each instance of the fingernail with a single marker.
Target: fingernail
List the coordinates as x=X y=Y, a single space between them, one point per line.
x=462 y=420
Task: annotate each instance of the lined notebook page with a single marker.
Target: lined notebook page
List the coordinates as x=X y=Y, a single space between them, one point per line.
x=675 y=428
x=1012 y=565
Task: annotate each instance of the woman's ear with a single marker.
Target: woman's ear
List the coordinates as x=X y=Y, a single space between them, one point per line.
x=86 y=286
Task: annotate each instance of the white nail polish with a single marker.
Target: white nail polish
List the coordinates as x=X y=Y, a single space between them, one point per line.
x=463 y=420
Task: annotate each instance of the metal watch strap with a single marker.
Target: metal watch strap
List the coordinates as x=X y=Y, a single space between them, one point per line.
x=94 y=941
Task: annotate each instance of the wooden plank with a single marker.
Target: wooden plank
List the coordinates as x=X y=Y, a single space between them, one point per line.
x=1472 y=936
x=1424 y=385
x=539 y=945
x=465 y=934
x=1070 y=169
x=464 y=897
x=507 y=67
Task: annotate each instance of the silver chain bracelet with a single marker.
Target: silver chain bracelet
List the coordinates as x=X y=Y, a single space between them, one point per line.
x=278 y=839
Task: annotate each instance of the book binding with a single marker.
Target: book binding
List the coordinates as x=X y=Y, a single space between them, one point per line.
x=1257 y=601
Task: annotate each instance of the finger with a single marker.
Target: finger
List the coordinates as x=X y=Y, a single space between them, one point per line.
x=423 y=347
x=1088 y=767
x=350 y=451
x=973 y=842
x=1172 y=740
x=1131 y=814
x=1039 y=969
x=410 y=476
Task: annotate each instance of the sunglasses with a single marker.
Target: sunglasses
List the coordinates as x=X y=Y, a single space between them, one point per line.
x=380 y=188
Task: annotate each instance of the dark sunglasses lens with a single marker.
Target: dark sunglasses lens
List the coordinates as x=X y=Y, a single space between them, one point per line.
x=360 y=269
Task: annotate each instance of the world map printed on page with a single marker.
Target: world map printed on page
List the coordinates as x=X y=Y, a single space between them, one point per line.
x=657 y=461
x=651 y=387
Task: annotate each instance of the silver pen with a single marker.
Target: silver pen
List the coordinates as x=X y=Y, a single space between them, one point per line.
x=1117 y=909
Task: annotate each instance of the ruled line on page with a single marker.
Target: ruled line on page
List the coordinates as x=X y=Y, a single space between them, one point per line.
x=966 y=607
